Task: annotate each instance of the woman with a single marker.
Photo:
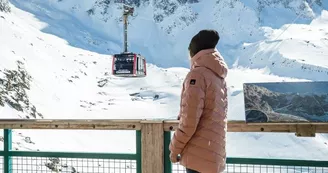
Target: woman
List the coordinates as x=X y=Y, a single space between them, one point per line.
x=200 y=139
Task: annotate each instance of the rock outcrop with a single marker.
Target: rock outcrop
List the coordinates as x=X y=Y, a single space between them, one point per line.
x=13 y=86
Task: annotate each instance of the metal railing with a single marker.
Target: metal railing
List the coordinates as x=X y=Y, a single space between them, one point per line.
x=248 y=165
x=252 y=165
x=68 y=162
x=152 y=141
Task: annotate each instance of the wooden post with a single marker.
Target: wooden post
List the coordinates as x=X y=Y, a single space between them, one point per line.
x=152 y=146
x=305 y=130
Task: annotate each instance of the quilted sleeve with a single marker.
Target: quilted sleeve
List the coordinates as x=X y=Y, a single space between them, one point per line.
x=191 y=109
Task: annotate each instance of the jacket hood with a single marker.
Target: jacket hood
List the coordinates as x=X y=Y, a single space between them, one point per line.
x=211 y=59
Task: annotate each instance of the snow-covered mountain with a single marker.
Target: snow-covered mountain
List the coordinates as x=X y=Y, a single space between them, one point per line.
x=162 y=25
x=57 y=56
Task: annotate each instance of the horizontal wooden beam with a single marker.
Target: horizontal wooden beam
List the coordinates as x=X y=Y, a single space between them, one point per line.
x=98 y=124
x=301 y=129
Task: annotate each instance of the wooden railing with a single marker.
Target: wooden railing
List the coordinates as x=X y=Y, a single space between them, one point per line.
x=152 y=149
x=301 y=129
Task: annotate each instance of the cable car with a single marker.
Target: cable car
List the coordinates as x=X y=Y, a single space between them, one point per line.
x=129 y=65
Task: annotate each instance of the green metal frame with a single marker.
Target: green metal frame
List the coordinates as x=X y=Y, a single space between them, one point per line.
x=167 y=162
x=138 y=145
x=7 y=153
x=247 y=161
x=277 y=162
x=7 y=141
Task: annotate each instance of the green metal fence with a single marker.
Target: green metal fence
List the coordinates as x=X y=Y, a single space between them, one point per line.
x=68 y=162
x=73 y=162
x=253 y=165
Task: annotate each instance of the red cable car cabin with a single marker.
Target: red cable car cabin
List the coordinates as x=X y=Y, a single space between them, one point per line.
x=129 y=65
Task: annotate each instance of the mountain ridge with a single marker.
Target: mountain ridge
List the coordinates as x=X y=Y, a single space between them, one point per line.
x=176 y=26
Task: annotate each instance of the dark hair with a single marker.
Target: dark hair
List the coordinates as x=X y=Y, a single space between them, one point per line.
x=204 y=39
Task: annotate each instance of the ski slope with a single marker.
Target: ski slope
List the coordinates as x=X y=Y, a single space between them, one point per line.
x=72 y=82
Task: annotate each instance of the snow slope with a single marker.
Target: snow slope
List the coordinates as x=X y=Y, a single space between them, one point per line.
x=71 y=79
x=300 y=51
x=66 y=80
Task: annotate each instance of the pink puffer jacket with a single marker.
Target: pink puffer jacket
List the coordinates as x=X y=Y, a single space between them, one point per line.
x=201 y=135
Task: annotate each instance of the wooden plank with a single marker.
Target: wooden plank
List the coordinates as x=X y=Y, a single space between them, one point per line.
x=171 y=125
x=152 y=147
x=321 y=128
x=152 y=121
x=307 y=129
x=97 y=124
x=241 y=126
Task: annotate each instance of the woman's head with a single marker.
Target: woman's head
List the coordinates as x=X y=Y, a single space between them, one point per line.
x=204 y=39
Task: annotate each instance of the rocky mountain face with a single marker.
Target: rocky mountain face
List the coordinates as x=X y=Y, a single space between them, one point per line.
x=4 y=6
x=165 y=8
x=169 y=24
x=284 y=106
x=13 y=91
x=295 y=5
x=258 y=98
x=174 y=16
x=162 y=9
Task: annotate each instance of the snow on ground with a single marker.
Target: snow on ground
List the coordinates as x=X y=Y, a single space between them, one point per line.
x=73 y=83
x=298 y=51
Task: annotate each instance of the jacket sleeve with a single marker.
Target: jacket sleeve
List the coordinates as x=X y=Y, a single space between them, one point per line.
x=191 y=109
